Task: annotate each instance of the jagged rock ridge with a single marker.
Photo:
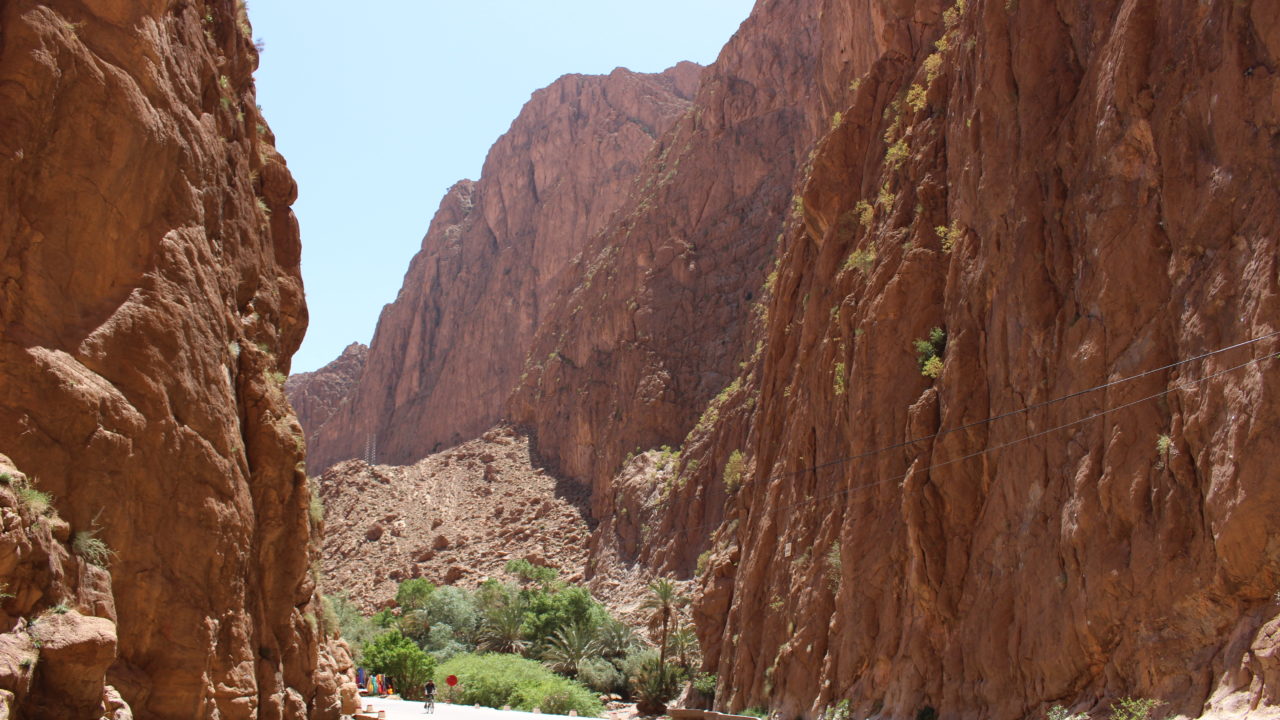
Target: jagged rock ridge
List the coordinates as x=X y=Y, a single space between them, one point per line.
x=315 y=396
x=150 y=300
x=449 y=350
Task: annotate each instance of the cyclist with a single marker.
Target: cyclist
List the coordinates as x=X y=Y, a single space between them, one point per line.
x=429 y=690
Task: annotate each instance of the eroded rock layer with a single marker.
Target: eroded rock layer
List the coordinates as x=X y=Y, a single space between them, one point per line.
x=316 y=396
x=150 y=300
x=1073 y=194
x=449 y=350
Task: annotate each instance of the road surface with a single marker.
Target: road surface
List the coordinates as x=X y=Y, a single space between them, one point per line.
x=412 y=710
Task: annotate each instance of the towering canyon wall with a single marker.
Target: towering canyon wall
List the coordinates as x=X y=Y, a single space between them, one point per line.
x=655 y=321
x=449 y=350
x=150 y=300
x=1074 y=194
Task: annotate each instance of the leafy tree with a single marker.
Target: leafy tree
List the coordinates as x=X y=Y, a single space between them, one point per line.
x=413 y=594
x=454 y=607
x=530 y=573
x=352 y=625
x=547 y=612
x=400 y=659
x=416 y=625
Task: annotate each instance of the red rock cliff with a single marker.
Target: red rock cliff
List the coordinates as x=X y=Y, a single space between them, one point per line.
x=654 y=321
x=1076 y=194
x=449 y=350
x=150 y=300
x=316 y=396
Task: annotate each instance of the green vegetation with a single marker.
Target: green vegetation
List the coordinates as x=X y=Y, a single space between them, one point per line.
x=90 y=547
x=507 y=640
x=1133 y=708
x=755 y=712
x=861 y=259
x=865 y=212
x=797 y=207
x=949 y=235
x=897 y=154
x=733 y=469
x=1057 y=712
x=839 y=381
x=38 y=503
x=917 y=97
x=402 y=660
x=497 y=680
x=886 y=198
x=705 y=683
x=835 y=566
x=836 y=120
x=929 y=352
x=932 y=67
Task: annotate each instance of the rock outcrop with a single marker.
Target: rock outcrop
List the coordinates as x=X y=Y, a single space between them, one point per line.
x=315 y=396
x=1073 y=196
x=57 y=612
x=449 y=350
x=150 y=300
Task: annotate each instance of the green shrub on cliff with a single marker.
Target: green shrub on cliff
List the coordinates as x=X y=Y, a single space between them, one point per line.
x=90 y=547
x=733 y=469
x=929 y=352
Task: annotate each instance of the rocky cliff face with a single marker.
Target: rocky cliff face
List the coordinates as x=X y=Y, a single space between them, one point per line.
x=316 y=396
x=1073 y=195
x=150 y=300
x=57 y=614
x=448 y=352
x=653 y=322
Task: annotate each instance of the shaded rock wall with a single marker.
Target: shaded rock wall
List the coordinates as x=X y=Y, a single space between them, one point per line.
x=449 y=350
x=1104 y=175
x=150 y=300
x=316 y=396
x=654 y=321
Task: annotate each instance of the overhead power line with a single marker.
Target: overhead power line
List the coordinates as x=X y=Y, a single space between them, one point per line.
x=1012 y=413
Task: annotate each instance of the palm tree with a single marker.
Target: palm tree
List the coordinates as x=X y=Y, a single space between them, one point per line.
x=570 y=647
x=503 y=631
x=665 y=601
x=684 y=646
x=617 y=639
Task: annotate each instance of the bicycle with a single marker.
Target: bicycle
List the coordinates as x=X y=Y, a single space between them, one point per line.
x=430 y=705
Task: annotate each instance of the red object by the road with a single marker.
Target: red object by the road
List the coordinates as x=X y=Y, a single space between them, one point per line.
x=451 y=680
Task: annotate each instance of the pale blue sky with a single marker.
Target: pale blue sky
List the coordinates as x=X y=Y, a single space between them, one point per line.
x=380 y=106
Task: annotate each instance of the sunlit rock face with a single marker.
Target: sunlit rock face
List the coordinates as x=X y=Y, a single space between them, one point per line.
x=150 y=300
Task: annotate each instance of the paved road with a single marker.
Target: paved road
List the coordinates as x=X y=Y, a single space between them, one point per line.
x=412 y=710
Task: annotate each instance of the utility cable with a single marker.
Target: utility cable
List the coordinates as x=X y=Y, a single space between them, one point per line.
x=1029 y=408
